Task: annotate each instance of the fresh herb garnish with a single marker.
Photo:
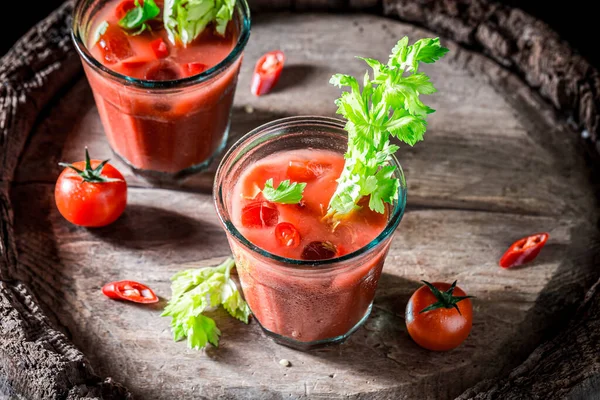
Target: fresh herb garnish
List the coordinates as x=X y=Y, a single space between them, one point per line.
x=388 y=105
x=186 y=19
x=136 y=19
x=195 y=290
x=286 y=193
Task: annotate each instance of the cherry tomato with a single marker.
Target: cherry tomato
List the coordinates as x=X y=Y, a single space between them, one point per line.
x=124 y=7
x=287 y=234
x=131 y=291
x=163 y=70
x=523 y=250
x=194 y=68
x=439 y=316
x=315 y=251
x=160 y=48
x=266 y=72
x=114 y=45
x=260 y=214
x=303 y=171
x=90 y=193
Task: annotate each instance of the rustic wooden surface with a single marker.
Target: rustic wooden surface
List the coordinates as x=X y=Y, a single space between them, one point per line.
x=565 y=367
x=473 y=185
x=36 y=361
x=496 y=165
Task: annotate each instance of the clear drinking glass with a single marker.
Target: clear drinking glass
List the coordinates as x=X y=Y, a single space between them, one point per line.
x=164 y=130
x=302 y=304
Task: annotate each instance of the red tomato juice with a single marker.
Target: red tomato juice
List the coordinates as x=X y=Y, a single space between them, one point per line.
x=164 y=130
x=318 y=303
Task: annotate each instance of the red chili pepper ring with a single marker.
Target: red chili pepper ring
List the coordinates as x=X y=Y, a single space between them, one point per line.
x=524 y=250
x=131 y=291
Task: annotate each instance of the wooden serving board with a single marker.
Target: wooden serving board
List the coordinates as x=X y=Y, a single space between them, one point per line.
x=496 y=165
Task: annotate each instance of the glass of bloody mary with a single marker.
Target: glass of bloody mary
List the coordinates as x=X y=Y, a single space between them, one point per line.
x=308 y=281
x=165 y=108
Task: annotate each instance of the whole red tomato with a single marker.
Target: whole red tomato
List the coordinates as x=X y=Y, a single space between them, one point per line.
x=439 y=316
x=90 y=193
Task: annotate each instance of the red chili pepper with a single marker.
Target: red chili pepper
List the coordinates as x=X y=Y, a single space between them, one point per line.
x=523 y=250
x=160 y=48
x=124 y=7
x=287 y=234
x=266 y=72
x=131 y=291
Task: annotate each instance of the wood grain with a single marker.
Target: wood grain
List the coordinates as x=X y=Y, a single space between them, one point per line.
x=133 y=344
x=565 y=367
x=520 y=42
x=454 y=207
x=36 y=361
x=496 y=165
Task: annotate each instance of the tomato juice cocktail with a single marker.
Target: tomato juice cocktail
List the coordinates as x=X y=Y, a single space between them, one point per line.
x=308 y=279
x=164 y=101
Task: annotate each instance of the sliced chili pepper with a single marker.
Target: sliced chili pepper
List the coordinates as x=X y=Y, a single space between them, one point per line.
x=131 y=291
x=287 y=234
x=267 y=72
x=124 y=7
x=160 y=48
x=523 y=250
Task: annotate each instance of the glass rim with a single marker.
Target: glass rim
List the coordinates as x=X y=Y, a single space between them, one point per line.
x=292 y=263
x=81 y=47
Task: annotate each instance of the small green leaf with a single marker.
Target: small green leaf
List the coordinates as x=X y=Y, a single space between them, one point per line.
x=136 y=19
x=185 y=20
x=193 y=291
x=286 y=193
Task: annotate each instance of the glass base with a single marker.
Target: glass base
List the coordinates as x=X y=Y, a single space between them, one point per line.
x=159 y=177
x=306 y=346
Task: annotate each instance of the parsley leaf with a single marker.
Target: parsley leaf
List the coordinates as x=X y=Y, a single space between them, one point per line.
x=136 y=18
x=286 y=193
x=186 y=19
x=388 y=105
x=195 y=290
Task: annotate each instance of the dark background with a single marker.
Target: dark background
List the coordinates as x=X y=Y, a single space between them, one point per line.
x=573 y=20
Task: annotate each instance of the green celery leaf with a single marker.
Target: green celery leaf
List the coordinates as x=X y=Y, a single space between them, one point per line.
x=233 y=302
x=286 y=193
x=193 y=291
x=386 y=189
x=186 y=19
x=202 y=330
x=388 y=105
